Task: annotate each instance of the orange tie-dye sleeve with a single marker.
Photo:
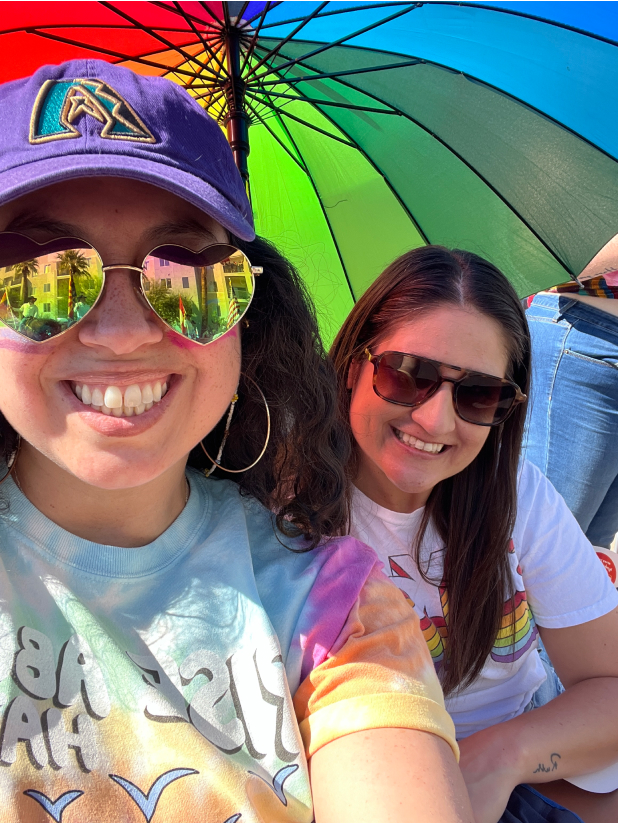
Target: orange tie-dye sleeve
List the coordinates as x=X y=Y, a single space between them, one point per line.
x=378 y=674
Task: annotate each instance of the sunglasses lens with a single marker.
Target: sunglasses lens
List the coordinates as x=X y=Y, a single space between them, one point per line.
x=484 y=400
x=44 y=289
x=200 y=295
x=405 y=379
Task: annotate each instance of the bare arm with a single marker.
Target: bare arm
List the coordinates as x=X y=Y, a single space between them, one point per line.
x=574 y=734
x=388 y=776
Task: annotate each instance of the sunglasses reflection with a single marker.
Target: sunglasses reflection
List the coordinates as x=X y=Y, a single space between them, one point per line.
x=198 y=295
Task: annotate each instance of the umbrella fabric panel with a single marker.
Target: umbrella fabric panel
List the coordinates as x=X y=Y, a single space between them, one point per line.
x=287 y=212
x=558 y=184
x=563 y=73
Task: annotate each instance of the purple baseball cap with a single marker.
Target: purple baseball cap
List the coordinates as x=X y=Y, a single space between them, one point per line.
x=87 y=118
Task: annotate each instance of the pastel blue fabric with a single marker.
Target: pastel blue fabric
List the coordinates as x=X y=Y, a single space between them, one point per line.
x=572 y=426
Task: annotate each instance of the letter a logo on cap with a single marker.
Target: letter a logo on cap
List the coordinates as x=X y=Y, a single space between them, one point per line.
x=61 y=103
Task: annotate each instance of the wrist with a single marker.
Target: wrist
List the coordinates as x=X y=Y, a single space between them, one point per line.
x=496 y=749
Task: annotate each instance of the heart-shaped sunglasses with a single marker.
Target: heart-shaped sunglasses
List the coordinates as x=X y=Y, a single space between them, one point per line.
x=46 y=288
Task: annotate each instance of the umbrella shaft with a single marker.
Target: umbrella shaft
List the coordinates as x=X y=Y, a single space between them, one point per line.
x=237 y=120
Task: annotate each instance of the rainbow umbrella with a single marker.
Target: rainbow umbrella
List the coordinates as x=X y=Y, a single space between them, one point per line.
x=364 y=129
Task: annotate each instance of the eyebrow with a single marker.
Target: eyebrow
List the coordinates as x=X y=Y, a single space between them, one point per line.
x=173 y=228
x=32 y=220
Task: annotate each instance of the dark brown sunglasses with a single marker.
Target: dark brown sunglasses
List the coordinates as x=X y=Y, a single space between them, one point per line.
x=409 y=380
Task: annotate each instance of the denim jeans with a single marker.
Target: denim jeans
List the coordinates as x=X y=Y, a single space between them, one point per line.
x=572 y=426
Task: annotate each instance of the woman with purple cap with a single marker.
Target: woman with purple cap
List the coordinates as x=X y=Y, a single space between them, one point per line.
x=170 y=650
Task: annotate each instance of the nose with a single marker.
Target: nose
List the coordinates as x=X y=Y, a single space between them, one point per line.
x=437 y=415
x=121 y=321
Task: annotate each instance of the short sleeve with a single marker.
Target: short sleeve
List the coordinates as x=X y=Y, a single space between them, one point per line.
x=377 y=674
x=565 y=582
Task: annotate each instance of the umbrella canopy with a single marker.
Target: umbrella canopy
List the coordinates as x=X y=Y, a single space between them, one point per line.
x=365 y=129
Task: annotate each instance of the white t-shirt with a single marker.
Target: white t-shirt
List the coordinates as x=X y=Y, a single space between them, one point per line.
x=558 y=580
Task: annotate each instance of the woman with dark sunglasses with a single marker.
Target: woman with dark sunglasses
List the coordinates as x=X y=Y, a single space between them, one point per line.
x=433 y=365
x=169 y=650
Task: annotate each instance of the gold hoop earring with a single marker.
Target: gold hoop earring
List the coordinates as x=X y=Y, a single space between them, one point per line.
x=216 y=464
x=13 y=461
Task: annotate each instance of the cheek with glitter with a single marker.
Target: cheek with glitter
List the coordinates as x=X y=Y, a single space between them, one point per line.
x=10 y=341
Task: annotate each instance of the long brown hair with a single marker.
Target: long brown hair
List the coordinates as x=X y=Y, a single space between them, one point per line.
x=474 y=511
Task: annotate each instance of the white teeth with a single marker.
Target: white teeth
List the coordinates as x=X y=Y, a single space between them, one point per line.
x=433 y=448
x=113 y=397
x=132 y=400
x=132 y=396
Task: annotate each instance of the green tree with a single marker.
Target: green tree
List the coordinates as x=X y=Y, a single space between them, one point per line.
x=76 y=263
x=167 y=304
x=24 y=270
x=73 y=262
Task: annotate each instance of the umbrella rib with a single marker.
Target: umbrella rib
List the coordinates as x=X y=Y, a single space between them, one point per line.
x=243 y=9
x=216 y=17
x=346 y=10
x=158 y=37
x=302 y=99
x=185 y=15
x=97 y=26
x=254 y=38
x=124 y=57
x=203 y=40
x=271 y=5
x=274 y=136
x=341 y=40
x=524 y=14
x=335 y=74
x=283 y=112
x=282 y=43
x=322 y=206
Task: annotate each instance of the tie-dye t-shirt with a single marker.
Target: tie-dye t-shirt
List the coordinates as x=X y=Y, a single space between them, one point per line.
x=155 y=683
x=557 y=581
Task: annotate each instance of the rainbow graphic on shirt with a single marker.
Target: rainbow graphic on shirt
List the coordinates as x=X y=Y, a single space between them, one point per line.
x=517 y=631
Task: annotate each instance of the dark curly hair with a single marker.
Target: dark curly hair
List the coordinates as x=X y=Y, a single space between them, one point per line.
x=473 y=511
x=301 y=476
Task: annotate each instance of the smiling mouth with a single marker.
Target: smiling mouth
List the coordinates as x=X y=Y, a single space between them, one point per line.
x=432 y=448
x=124 y=401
